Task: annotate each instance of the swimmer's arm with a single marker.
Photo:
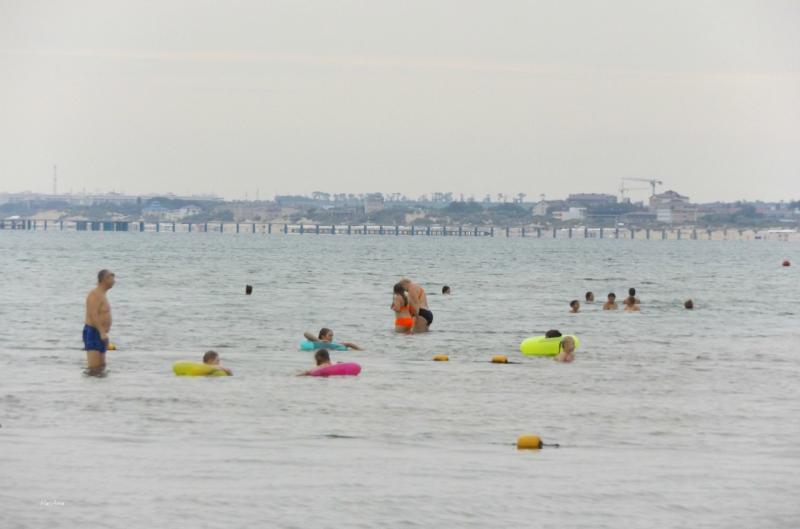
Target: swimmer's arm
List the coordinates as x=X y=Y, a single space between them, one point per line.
x=351 y=345
x=230 y=373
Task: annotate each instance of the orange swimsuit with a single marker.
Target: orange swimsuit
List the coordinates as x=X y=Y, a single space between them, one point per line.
x=405 y=321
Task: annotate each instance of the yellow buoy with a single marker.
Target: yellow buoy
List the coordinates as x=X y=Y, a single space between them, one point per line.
x=441 y=358
x=111 y=347
x=499 y=359
x=529 y=442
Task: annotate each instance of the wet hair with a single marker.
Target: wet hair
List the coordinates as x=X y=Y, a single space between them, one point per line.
x=611 y=295
x=400 y=290
x=590 y=296
x=552 y=333
x=210 y=356
x=688 y=304
x=564 y=339
x=322 y=356
x=102 y=274
x=445 y=289
x=632 y=292
x=323 y=331
x=574 y=303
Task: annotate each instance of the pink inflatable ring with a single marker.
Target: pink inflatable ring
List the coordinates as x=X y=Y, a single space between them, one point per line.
x=343 y=369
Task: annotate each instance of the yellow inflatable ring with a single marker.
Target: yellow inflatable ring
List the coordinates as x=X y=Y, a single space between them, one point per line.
x=541 y=346
x=197 y=369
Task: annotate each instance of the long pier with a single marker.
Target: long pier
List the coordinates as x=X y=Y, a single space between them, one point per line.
x=583 y=232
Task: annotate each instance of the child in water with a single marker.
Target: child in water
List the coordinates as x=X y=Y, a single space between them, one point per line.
x=322 y=358
x=326 y=335
x=574 y=306
x=566 y=350
x=211 y=358
x=631 y=304
x=611 y=303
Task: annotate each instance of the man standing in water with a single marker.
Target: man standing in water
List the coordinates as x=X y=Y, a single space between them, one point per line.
x=98 y=322
x=419 y=303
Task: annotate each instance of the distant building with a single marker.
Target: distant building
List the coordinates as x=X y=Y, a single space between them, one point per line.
x=671 y=207
x=570 y=214
x=591 y=200
x=668 y=199
x=373 y=203
x=543 y=207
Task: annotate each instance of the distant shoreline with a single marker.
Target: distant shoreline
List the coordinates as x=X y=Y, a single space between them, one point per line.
x=531 y=231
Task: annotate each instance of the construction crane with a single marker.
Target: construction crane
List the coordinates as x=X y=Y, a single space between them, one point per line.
x=652 y=181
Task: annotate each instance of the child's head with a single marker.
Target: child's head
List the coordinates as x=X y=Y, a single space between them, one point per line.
x=632 y=292
x=612 y=297
x=552 y=333
x=322 y=356
x=211 y=357
x=325 y=334
x=688 y=304
x=575 y=305
x=590 y=297
x=445 y=290
x=568 y=344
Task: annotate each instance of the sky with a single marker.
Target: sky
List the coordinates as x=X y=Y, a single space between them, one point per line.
x=258 y=98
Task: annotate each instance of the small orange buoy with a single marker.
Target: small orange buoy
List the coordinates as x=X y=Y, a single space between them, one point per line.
x=529 y=442
x=787 y=263
x=499 y=359
x=441 y=358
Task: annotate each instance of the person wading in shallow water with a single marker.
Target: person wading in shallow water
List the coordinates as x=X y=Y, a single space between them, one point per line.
x=419 y=305
x=97 y=323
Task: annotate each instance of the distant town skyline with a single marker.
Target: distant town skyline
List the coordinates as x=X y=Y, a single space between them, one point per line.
x=462 y=96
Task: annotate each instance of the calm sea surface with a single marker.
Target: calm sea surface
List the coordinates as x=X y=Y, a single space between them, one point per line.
x=667 y=418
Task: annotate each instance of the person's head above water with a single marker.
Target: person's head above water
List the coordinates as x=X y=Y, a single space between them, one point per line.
x=405 y=282
x=611 y=296
x=575 y=305
x=445 y=290
x=322 y=357
x=552 y=333
x=325 y=334
x=211 y=357
x=106 y=278
x=632 y=292
x=688 y=304
x=589 y=297
x=567 y=344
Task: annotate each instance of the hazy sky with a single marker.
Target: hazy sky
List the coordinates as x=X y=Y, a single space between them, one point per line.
x=405 y=96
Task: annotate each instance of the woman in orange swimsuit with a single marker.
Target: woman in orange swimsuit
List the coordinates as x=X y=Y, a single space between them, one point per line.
x=403 y=321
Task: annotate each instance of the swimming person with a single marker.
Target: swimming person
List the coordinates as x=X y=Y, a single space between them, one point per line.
x=632 y=294
x=211 y=358
x=574 y=306
x=631 y=304
x=97 y=322
x=688 y=304
x=403 y=319
x=566 y=350
x=326 y=335
x=445 y=290
x=611 y=302
x=589 y=297
x=322 y=358
x=419 y=305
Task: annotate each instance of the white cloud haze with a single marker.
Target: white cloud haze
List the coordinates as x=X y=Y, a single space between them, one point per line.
x=412 y=97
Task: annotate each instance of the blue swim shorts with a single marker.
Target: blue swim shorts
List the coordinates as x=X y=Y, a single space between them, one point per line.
x=91 y=339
